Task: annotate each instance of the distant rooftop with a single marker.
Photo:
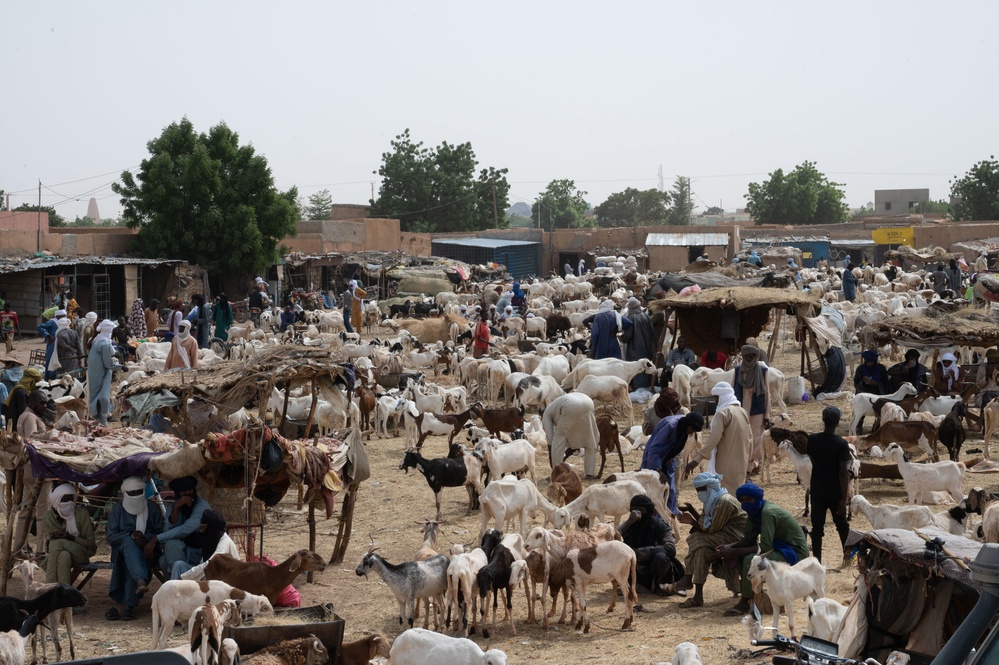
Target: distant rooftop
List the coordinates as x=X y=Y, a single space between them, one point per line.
x=482 y=242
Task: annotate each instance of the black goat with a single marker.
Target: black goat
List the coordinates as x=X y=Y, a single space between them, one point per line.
x=440 y=473
x=400 y=310
x=951 y=432
x=558 y=324
x=12 y=610
x=495 y=577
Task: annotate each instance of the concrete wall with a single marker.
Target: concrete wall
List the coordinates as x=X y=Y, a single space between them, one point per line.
x=355 y=235
x=349 y=211
x=945 y=235
x=415 y=244
x=897 y=201
x=23 y=221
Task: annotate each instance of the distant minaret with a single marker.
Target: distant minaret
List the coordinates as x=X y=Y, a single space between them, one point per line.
x=92 y=211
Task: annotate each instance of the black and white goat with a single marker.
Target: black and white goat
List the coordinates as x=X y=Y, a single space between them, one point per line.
x=440 y=473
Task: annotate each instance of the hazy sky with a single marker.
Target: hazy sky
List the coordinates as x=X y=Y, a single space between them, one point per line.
x=879 y=94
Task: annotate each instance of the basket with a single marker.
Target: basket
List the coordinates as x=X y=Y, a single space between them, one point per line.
x=318 y=620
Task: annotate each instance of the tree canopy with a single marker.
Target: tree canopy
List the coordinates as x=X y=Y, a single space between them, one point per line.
x=803 y=196
x=320 y=205
x=437 y=190
x=55 y=219
x=562 y=206
x=206 y=199
x=976 y=195
x=634 y=207
x=683 y=205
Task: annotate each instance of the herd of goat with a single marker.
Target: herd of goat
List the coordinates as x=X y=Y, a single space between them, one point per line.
x=489 y=415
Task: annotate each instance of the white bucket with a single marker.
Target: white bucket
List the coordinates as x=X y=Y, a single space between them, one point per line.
x=795 y=389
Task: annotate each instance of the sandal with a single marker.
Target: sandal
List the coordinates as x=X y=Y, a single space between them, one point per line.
x=689 y=604
x=128 y=614
x=735 y=612
x=112 y=614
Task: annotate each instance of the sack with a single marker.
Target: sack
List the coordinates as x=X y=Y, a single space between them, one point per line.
x=272 y=457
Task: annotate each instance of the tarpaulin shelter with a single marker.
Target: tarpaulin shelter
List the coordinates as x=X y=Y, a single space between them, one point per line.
x=936 y=326
x=913 y=591
x=724 y=318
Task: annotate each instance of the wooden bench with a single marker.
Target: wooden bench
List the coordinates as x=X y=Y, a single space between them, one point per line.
x=91 y=569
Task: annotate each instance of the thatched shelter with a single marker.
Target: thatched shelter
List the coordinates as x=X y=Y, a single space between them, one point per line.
x=934 y=326
x=724 y=318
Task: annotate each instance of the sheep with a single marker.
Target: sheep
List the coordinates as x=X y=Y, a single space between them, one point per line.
x=912 y=436
x=825 y=618
x=361 y=651
x=508 y=497
x=440 y=473
x=536 y=391
x=565 y=485
x=409 y=581
x=257 y=577
x=553 y=547
x=176 y=600
x=936 y=476
x=499 y=420
x=30 y=572
x=307 y=650
x=951 y=432
x=624 y=370
x=803 y=463
x=892 y=413
x=461 y=575
x=784 y=583
x=610 y=440
x=418 y=646
x=686 y=653
x=206 y=626
x=599 y=500
x=12 y=641
x=612 y=562
x=512 y=457
x=656 y=487
x=863 y=404
x=609 y=390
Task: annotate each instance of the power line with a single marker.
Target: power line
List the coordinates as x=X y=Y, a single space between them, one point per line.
x=71 y=182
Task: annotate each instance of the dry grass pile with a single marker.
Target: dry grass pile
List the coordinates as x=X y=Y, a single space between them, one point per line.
x=935 y=326
x=738 y=297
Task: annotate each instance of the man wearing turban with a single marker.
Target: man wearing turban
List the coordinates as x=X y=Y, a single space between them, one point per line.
x=870 y=377
x=730 y=442
x=770 y=529
x=666 y=442
x=651 y=538
x=133 y=522
x=182 y=538
x=71 y=534
x=722 y=521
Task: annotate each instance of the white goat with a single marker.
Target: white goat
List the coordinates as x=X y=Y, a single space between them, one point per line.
x=504 y=458
x=803 y=463
x=609 y=390
x=784 y=583
x=596 y=501
x=417 y=646
x=508 y=497
x=177 y=600
x=944 y=476
x=686 y=653
x=825 y=618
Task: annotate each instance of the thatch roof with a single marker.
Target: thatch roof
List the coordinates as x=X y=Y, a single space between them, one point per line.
x=935 y=326
x=929 y=254
x=738 y=298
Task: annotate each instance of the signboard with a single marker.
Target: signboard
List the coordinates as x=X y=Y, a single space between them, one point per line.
x=898 y=235
x=806 y=255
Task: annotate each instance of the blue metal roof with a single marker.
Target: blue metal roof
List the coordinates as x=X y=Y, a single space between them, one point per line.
x=482 y=242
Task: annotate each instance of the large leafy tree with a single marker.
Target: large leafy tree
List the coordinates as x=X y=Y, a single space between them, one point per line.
x=803 y=196
x=634 y=207
x=561 y=206
x=683 y=205
x=976 y=195
x=55 y=219
x=207 y=199
x=436 y=189
x=320 y=205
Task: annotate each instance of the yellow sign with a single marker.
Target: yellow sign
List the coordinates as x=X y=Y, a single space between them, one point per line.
x=899 y=235
x=806 y=255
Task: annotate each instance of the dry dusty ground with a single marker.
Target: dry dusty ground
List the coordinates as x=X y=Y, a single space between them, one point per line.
x=391 y=503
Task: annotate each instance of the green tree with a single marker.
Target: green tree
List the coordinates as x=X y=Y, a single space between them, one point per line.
x=936 y=207
x=634 y=207
x=206 y=199
x=562 y=206
x=3 y=200
x=436 y=189
x=320 y=205
x=803 y=196
x=713 y=210
x=55 y=219
x=976 y=195
x=683 y=204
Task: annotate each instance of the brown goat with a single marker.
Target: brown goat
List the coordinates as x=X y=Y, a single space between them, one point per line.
x=499 y=420
x=258 y=577
x=609 y=441
x=565 y=486
x=363 y=650
x=913 y=437
x=366 y=401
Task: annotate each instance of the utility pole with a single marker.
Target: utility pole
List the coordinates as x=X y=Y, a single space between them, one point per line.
x=662 y=185
x=39 y=216
x=372 y=192
x=495 y=213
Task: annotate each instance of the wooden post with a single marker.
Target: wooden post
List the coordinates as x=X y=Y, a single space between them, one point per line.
x=772 y=349
x=287 y=398
x=312 y=407
x=312 y=530
x=8 y=534
x=346 y=524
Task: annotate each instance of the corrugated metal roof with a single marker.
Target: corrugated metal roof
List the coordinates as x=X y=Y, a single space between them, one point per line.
x=852 y=242
x=685 y=239
x=787 y=238
x=58 y=261
x=482 y=242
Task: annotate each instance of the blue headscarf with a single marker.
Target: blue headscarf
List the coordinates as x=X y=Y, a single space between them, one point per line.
x=755 y=509
x=711 y=484
x=517 y=293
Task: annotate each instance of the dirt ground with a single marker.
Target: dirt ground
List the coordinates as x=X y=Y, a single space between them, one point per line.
x=391 y=503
